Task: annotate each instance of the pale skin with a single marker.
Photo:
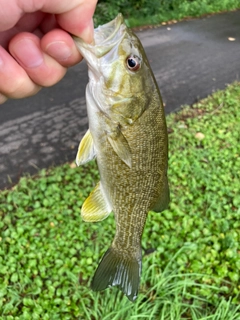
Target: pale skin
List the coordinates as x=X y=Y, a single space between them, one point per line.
x=35 y=45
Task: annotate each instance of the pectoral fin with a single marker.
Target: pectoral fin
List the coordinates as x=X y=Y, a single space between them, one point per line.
x=120 y=146
x=163 y=201
x=86 y=150
x=95 y=207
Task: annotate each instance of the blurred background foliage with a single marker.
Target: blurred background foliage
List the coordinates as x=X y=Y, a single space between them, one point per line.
x=139 y=12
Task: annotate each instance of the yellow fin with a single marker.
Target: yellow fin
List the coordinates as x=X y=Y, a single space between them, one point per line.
x=120 y=146
x=95 y=207
x=86 y=150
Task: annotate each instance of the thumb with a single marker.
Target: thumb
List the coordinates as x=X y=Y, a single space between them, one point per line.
x=79 y=20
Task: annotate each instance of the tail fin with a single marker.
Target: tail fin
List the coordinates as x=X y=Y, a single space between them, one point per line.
x=118 y=270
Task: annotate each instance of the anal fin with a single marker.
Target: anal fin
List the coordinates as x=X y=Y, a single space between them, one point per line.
x=95 y=207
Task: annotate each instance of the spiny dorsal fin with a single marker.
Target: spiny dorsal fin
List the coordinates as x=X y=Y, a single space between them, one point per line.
x=120 y=146
x=118 y=270
x=95 y=207
x=86 y=150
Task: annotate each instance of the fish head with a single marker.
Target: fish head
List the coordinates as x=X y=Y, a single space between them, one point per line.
x=118 y=64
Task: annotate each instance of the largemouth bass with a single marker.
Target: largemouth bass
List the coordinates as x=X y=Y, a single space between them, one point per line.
x=128 y=136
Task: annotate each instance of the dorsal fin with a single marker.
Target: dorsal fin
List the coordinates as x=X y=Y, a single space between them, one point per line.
x=163 y=201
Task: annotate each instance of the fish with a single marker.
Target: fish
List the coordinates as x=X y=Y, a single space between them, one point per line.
x=128 y=137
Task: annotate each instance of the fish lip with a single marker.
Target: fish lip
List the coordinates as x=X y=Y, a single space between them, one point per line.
x=103 y=31
x=105 y=37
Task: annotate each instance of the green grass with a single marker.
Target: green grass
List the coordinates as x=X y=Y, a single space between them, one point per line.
x=191 y=264
x=145 y=12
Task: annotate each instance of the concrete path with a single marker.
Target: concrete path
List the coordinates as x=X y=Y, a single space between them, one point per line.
x=190 y=59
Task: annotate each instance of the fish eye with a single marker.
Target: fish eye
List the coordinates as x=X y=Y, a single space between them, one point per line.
x=133 y=63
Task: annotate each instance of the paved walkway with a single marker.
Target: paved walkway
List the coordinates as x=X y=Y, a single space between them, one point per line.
x=190 y=60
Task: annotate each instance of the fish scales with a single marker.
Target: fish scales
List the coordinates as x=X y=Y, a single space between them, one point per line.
x=128 y=136
x=140 y=184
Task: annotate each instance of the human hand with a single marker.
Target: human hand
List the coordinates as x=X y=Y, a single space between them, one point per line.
x=35 y=47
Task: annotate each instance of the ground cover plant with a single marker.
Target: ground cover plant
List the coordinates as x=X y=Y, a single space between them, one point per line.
x=191 y=252
x=145 y=12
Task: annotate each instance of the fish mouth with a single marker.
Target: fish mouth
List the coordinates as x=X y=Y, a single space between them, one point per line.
x=106 y=34
x=105 y=37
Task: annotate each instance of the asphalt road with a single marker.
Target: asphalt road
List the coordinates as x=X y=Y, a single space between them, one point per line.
x=190 y=60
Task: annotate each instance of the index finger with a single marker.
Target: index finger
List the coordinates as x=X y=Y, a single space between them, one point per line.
x=74 y=16
x=78 y=21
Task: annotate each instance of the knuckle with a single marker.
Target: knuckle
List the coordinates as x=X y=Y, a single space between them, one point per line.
x=14 y=87
x=50 y=77
x=21 y=87
x=3 y=98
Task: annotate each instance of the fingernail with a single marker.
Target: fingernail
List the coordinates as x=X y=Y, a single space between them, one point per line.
x=59 y=50
x=27 y=53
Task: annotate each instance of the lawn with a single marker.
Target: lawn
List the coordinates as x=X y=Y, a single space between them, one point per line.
x=191 y=252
